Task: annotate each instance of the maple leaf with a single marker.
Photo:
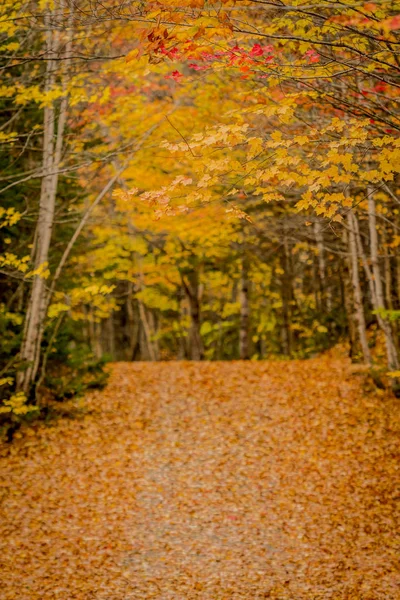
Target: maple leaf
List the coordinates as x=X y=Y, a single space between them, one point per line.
x=256 y=50
x=197 y=67
x=172 y=53
x=175 y=75
x=394 y=23
x=312 y=56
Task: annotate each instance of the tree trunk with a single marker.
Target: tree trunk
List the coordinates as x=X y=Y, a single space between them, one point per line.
x=357 y=293
x=347 y=303
x=191 y=287
x=132 y=329
x=393 y=361
x=52 y=151
x=182 y=333
x=383 y=325
x=244 y=331
x=398 y=280
x=287 y=296
x=110 y=335
x=325 y=288
x=147 y=332
x=154 y=329
x=387 y=272
x=98 y=345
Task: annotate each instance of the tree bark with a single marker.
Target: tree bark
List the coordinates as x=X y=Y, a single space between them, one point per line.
x=191 y=287
x=287 y=296
x=325 y=288
x=110 y=335
x=357 y=293
x=52 y=152
x=393 y=361
x=347 y=294
x=132 y=328
x=387 y=272
x=147 y=331
x=244 y=330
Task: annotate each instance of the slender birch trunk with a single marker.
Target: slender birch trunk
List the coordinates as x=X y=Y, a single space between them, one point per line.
x=98 y=337
x=347 y=294
x=357 y=293
x=148 y=334
x=393 y=360
x=53 y=133
x=387 y=272
x=325 y=289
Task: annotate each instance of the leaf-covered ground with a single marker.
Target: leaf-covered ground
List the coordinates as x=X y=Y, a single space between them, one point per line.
x=209 y=481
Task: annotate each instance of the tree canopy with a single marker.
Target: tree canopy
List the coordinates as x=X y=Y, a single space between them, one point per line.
x=193 y=179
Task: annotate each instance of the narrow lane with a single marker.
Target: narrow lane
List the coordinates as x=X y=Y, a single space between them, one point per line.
x=208 y=481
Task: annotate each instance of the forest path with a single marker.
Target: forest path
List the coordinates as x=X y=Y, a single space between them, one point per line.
x=209 y=481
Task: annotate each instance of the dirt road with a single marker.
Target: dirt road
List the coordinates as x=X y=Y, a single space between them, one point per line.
x=208 y=481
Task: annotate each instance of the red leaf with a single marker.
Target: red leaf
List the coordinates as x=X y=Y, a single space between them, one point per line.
x=312 y=56
x=256 y=50
x=175 y=75
x=196 y=67
x=394 y=23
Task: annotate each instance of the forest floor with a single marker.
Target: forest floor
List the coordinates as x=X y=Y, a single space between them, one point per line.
x=211 y=481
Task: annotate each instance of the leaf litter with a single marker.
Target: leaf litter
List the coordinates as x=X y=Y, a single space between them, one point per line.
x=214 y=481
